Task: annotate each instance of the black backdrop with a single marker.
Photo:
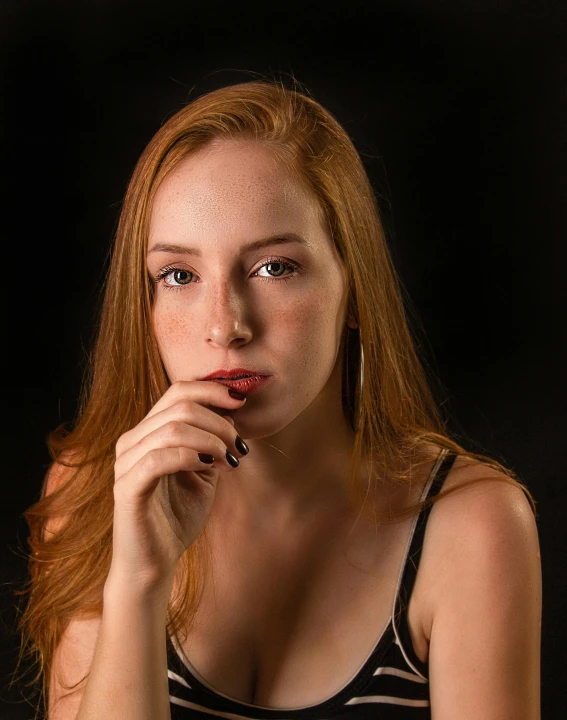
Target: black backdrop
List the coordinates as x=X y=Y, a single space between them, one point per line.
x=459 y=111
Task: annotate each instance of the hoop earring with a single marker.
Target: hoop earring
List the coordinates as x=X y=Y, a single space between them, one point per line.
x=360 y=390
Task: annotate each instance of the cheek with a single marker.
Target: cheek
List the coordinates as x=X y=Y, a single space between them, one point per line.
x=172 y=330
x=313 y=324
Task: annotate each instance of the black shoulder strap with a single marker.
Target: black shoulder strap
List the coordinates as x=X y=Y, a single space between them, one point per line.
x=414 y=554
x=412 y=561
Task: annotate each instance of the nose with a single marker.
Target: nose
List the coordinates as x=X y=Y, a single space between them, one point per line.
x=227 y=317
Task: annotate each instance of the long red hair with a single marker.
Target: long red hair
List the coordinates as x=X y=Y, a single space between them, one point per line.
x=125 y=378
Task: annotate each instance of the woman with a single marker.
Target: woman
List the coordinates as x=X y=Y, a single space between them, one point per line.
x=250 y=548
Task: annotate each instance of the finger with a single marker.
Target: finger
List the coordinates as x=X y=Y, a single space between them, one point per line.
x=176 y=434
x=186 y=411
x=204 y=392
x=144 y=476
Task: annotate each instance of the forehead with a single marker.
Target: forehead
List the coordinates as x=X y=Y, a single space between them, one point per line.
x=230 y=185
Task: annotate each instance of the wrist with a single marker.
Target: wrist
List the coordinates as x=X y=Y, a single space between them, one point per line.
x=120 y=586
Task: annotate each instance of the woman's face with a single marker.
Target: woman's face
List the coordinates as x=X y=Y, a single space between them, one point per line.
x=223 y=305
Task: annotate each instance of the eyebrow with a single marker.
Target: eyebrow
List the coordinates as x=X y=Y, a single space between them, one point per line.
x=255 y=245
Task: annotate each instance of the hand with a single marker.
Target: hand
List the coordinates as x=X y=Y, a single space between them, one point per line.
x=163 y=492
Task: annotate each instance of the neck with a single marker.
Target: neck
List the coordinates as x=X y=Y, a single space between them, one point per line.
x=300 y=471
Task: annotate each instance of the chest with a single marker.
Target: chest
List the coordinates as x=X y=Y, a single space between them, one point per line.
x=291 y=628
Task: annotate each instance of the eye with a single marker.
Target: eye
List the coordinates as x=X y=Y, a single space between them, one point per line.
x=280 y=266
x=180 y=276
x=183 y=277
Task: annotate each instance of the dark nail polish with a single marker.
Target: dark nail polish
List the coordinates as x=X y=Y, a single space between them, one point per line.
x=235 y=394
x=232 y=460
x=241 y=446
x=206 y=458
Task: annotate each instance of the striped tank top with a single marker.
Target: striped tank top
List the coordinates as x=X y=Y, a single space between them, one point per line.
x=391 y=684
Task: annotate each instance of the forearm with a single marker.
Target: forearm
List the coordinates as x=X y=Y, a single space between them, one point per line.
x=128 y=676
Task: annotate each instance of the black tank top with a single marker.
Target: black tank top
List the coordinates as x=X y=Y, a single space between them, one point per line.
x=391 y=684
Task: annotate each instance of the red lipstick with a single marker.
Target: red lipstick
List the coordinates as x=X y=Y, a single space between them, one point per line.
x=241 y=379
x=235 y=373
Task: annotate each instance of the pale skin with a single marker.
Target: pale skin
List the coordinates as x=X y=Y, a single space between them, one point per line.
x=280 y=524
x=218 y=201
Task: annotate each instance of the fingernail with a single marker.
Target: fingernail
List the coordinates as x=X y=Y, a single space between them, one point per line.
x=241 y=446
x=231 y=459
x=236 y=395
x=205 y=458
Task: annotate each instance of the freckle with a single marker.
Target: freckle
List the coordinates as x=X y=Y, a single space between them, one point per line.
x=173 y=325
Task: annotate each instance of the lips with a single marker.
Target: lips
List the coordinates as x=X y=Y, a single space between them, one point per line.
x=240 y=377
x=247 y=385
x=240 y=373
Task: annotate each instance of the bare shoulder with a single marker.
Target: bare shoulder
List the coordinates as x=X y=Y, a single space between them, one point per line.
x=71 y=662
x=74 y=653
x=482 y=562
x=489 y=520
x=480 y=495
x=481 y=510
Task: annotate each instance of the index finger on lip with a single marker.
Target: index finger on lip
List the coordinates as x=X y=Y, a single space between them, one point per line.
x=207 y=393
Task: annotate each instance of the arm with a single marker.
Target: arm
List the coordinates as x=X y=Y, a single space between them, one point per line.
x=164 y=490
x=484 y=656
x=124 y=650
x=128 y=676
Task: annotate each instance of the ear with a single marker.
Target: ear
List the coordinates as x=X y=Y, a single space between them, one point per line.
x=351 y=322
